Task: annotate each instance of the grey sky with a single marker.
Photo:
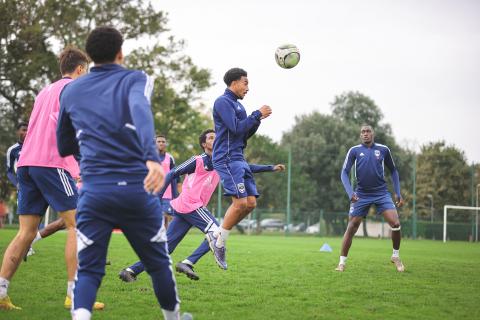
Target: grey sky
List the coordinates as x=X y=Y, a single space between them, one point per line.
x=418 y=60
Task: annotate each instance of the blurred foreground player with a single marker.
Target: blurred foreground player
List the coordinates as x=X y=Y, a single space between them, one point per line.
x=45 y=178
x=108 y=112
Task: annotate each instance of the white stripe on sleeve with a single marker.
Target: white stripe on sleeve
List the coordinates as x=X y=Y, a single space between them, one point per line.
x=149 y=87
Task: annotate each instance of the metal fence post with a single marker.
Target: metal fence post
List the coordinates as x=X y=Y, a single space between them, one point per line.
x=414 y=201
x=287 y=230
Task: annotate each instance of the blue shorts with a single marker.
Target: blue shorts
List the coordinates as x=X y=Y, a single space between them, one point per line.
x=166 y=208
x=39 y=187
x=382 y=202
x=237 y=179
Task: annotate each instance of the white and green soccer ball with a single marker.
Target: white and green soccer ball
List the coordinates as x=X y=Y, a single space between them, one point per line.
x=287 y=56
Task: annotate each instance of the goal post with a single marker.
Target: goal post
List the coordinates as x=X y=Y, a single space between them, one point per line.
x=445 y=209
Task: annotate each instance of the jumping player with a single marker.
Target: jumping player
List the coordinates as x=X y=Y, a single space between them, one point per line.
x=233 y=128
x=190 y=208
x=369 y=159
x=108 y=112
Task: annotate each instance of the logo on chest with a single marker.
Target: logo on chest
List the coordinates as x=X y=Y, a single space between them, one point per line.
x=377 y=153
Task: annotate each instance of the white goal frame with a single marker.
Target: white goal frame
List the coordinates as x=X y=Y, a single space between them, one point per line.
x=446 y=207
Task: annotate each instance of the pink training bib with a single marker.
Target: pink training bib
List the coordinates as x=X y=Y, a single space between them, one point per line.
x=40 y=146
x=197 y=189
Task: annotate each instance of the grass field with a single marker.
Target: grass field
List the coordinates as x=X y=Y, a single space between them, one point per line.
x=271 y=277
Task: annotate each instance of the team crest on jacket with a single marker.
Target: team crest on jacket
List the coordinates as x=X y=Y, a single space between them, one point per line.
x=241 y=188
x=377 y=153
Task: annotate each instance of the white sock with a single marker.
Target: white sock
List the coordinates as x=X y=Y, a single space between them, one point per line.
x=81 y=314
x=222 y=238
x=396 y=253
x=172 y=315
x=3 y=287
x=70 y=285
x=129 y=270
x=343 y=260
x=37 y=237
x=186 y=261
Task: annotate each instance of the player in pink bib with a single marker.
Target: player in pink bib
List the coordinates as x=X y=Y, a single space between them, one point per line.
x=190 y=207
x=45 y=178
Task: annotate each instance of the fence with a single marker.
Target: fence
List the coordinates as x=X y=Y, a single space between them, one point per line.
x=324 y=223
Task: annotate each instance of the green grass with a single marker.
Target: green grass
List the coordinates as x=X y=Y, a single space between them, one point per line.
x=271 y=277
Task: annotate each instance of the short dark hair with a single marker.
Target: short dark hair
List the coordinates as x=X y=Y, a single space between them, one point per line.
x=22 y=124
x=233 y=75
x=202 y=138
x=70 y=58
x=103 y=44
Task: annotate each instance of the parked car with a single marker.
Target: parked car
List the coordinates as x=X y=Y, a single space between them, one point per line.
x=271 y=224
x=314 y=228
x=248 y=223
x=300 y=227
x=296 y=228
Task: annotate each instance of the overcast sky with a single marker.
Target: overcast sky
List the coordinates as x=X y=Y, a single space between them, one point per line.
x=418 y=60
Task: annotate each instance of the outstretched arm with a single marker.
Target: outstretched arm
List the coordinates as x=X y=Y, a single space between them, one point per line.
x=187 y=167
x=257 y=168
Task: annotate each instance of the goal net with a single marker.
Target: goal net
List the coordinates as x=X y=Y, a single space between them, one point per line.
x=457 y=214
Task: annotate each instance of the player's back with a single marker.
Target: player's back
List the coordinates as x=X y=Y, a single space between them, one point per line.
x=40 y=146
x=98 y=106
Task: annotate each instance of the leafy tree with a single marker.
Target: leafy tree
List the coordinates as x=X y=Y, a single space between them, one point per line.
x=32 y=33
x=272 y=186
x=319 y=144
x=175 y=104
x=443 y=172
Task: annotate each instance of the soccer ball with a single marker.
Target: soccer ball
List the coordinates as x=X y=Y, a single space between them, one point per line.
x=287 y=56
